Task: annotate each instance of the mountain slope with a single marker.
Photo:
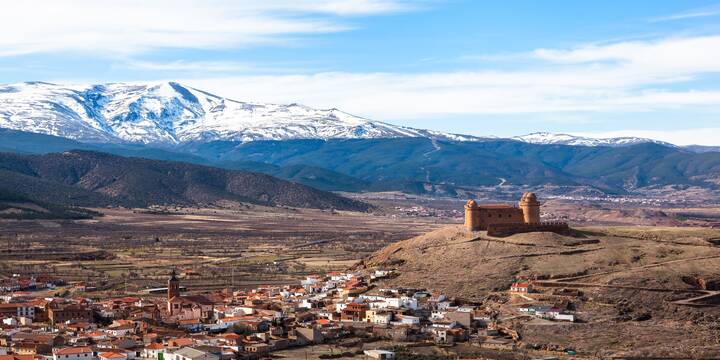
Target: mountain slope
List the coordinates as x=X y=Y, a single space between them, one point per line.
x=95 y=179
x=169 y=113
x=13 y=141
x=418 y=164
x=15 y=206
x=486 y=163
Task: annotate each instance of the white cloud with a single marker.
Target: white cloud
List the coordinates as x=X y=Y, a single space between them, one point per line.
x=626 y=76
x=131 y=26
x=204 y=67
x=664 y=60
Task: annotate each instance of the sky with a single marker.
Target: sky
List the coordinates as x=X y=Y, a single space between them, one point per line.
x=645 y=68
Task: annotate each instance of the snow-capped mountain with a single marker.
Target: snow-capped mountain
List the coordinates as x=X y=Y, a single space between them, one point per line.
x=170 y=113
x=565 y=139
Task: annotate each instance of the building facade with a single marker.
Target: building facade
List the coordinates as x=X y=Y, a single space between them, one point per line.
x=505 y=219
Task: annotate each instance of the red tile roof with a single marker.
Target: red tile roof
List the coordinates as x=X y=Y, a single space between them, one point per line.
x=155 y=346
x=112 y=355
x=74 y=350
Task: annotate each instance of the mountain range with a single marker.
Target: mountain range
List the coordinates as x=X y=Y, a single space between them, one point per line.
x=326 y=149
x=169 y=113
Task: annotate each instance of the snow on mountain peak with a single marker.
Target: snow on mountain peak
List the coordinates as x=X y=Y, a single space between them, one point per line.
x=170 y=113
x=566 y=139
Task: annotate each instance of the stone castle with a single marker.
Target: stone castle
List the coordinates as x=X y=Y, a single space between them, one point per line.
x=504 y=219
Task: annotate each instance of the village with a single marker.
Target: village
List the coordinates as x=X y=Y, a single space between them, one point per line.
x=50 y=318
x=74 y=324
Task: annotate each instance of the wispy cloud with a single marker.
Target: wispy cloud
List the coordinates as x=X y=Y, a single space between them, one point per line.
x=695 y=13
x=131 y=26
x=627 y=76
x=205 y=67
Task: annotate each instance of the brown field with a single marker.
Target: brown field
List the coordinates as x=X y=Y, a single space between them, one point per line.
x=241 y=248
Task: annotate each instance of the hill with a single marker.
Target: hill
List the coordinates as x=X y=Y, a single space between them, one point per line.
x=14 y=206
x=612 y=278
x=84 y=178
x=452 y=258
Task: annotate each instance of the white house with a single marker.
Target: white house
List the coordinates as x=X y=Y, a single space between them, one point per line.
x=121 y=331
x=188 y=353
x=239 y=311
x=380 y=354
x=73 y=353
x=407 y=320
x=153 y=351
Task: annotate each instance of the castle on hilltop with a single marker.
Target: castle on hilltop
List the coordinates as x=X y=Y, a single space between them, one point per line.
x=504 y=219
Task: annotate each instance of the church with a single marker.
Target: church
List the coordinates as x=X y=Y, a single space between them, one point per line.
x=190 y=307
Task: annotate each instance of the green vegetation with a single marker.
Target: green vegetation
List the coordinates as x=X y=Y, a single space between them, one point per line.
x=19 y=207
x=406 y=164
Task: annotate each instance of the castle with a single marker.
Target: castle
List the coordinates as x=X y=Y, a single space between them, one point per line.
x=504 y=220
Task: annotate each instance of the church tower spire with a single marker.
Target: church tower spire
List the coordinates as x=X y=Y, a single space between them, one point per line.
x=173 y=288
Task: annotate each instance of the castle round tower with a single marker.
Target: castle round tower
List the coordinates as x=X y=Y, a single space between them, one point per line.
x=530 y=207
x=472 y=218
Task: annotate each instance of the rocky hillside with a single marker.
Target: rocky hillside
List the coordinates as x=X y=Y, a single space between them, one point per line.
x=472 y=265
x=84 y=178
x=636 y=292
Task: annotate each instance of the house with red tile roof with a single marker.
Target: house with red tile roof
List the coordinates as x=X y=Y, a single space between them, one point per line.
x=73 y=353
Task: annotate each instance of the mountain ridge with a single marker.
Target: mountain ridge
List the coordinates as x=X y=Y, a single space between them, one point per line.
x=169 y=114
x=421 y=165
x=92 y=179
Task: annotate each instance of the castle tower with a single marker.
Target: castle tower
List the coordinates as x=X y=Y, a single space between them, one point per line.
x=472 y=218
x=530 y=208
x=173 y=288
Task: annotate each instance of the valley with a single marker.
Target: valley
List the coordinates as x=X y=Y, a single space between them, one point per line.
x=130 y=250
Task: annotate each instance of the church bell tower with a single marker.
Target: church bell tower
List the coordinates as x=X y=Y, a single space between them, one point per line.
x=173 y=288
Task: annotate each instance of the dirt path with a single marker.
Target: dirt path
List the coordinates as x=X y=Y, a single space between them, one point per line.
x=694 y=301
x=643 y=267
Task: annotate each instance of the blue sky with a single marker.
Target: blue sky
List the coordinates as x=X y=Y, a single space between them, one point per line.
x=601 y=68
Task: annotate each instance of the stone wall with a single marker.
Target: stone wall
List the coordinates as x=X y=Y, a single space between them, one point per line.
x=480 y=218
x=501 y=230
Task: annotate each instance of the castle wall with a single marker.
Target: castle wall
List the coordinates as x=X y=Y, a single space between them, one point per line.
x=501 y=230
x=510 y=215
